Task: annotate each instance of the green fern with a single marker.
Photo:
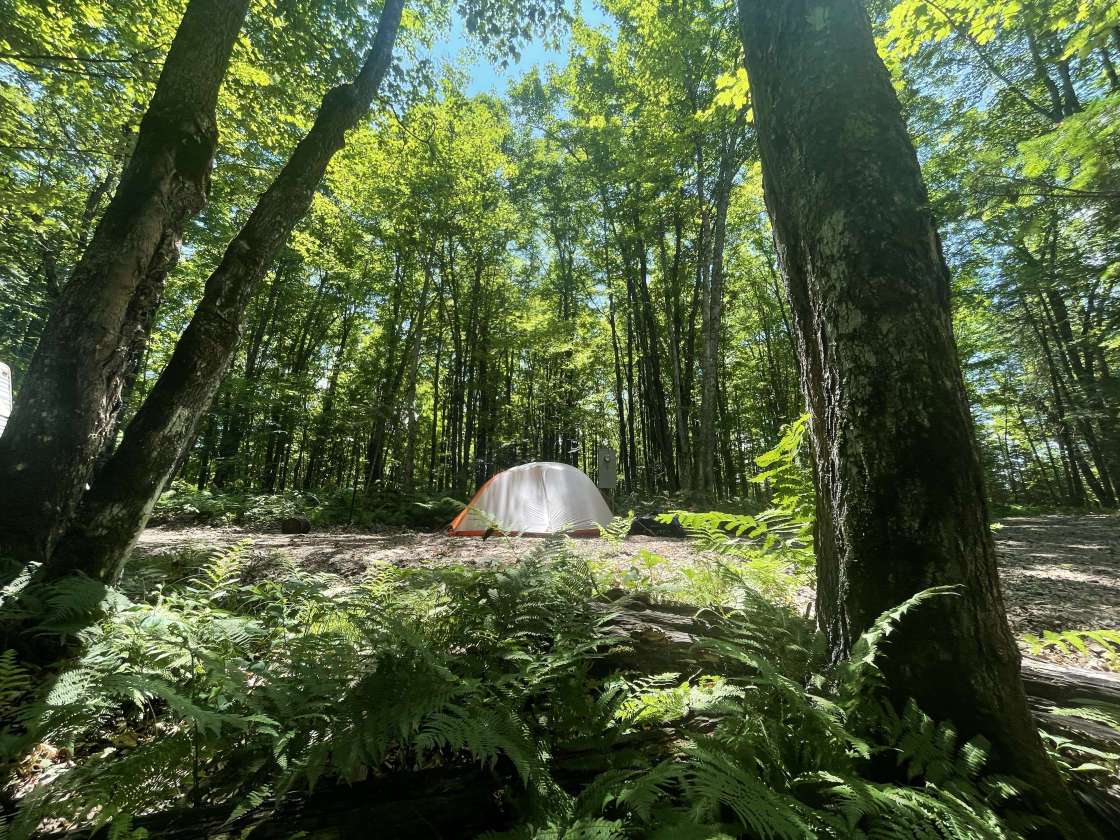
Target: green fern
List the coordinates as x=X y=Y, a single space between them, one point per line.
x=256 y=687
x=1077 y=641
x=222 y=572
x=14 y=681
x=238 y=691
x=618 y=529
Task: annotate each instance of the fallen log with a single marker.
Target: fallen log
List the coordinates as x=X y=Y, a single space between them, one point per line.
x=661 y=638
x=1051 y=686
x=1064 y=685
x=657 y=638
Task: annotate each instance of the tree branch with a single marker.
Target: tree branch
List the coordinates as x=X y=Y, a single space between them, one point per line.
x=990 y=65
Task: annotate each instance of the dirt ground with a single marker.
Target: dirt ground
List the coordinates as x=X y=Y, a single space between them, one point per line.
x=349 y=553
x=1058 y=572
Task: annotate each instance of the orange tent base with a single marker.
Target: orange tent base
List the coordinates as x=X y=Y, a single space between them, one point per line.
x=586 y=532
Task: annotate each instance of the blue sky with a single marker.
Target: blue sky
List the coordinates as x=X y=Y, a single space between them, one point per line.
x=487 y=78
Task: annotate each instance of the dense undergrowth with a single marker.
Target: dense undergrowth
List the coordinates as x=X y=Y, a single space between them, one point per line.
x=232 y=686
x=232 y=680
x=184 y=504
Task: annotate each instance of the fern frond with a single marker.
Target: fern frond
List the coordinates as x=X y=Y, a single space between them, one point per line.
x=1078 y=641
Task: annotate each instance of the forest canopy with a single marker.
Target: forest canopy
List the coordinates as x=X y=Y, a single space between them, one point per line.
x=835 y=281
x=484 y=279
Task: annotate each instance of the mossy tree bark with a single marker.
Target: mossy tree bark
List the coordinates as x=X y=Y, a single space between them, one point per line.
x=900 y=496
x=115 y=510
x=71 y=394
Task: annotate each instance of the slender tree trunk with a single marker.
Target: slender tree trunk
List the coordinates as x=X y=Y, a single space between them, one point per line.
x=484 y=398
x=326 y=413
x=900 y=496
x=244 y=399
x=1056 y=409
x=712 y=321
x=71 y=393
x=730 y=468
x=208 y=437
x=670 y=272
x=1071 y=104
x=1042 y=471
x=630 y=394
x=1043 y=76
x=1109 y=68
x=115 y=511
x=410 y=390
x=620 y=406
x=437 y=369
x=655 y=406
x=391 y=372
x=1079 y=365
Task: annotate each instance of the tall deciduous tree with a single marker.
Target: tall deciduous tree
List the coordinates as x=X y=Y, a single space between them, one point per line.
x=114 y=512
x=72 y=392
x=901 y=503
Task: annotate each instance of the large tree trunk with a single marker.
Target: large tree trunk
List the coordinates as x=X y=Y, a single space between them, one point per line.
x=115 y=510
x=900 y=496
x=71 y=394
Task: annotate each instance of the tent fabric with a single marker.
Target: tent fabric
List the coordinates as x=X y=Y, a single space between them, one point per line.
x=535 y=499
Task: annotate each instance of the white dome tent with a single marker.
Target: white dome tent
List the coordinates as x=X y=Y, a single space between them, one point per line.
x=535 y=500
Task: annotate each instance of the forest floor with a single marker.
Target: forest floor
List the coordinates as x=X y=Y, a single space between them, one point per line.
x=1058 y=572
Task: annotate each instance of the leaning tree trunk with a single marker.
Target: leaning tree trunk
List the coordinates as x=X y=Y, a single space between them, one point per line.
x=72 y=392
x=900 y=496
x=116 y=509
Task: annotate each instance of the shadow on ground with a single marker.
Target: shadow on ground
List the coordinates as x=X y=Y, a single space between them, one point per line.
x=1058 y=572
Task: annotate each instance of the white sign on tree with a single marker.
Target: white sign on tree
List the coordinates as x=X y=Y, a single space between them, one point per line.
x=5 y=395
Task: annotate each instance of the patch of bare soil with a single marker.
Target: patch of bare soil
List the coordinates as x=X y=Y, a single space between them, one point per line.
x=1059 y=572
x=349 y=554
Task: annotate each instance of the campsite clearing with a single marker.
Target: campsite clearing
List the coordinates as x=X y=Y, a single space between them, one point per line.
x=1058 y=572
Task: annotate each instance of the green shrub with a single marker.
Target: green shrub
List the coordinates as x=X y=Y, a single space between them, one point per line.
x=183 y=504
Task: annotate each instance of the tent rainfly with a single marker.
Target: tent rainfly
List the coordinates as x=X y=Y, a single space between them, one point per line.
x=535 y=500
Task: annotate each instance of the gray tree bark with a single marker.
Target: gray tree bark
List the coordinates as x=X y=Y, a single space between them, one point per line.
x=900 y=496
